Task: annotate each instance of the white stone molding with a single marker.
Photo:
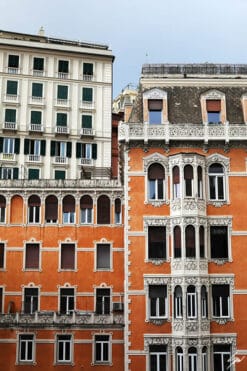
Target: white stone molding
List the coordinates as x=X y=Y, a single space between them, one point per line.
x=154 y=94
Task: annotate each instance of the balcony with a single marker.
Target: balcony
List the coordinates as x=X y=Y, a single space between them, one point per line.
x=53 y=319
x=11 y=98
x=63 y=75
x=87 y=132
x=9 y=157
x=182 y=132
x=33 y=158
x=87 y=105
x=64 y=130
x=37 y=100
x=60 y=160
x=38 y=73
x=11 y=126
x=86 y=161
x=36 y=128
x=87 y=77
x=62 y=102
x=13 y=70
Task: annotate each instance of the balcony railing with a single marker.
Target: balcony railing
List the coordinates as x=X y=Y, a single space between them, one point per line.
x=88 y=77
x=36 y=128
x=62 y=102
x=60 y=160
x=33 y=158
x=11 y=98
x=61 y=130
x=87 y=161
x=37 y=100
x=13 y=70
x=182 y=132
x=63 y=75
x=9 y=125
x=87 y=105
x=87 y=132
x=8 y=156
x=38 y=73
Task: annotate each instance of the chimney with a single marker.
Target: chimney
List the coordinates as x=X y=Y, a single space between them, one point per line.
x=41 y=31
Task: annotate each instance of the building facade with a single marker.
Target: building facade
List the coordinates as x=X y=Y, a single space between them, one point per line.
x=185 y=234
x=61 y=223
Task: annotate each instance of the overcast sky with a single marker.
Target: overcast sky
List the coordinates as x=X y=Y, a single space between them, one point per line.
x=139 y=31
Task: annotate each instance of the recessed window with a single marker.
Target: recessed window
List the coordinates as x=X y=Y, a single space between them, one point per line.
x=177 y=242
x=86 y=207
x=155 y=107
x=10 y=115
x=37 y=90
x=67 y=256
x=2 y=255
x=222 y=357
x=178 y=302
x=31 y=296
x=158 y=301
x=86 y=151
x=64 y=349
x=202 y=241
x=87 y=95
x=219 y=242
x=2 y=206
x=192 y=358
x=190 y=243
x=32 y=256
x=26 y=348
x=38 y=64
x=158 y=357
x=36 y=118
x=191 y=302
x=63 y=69
x=118 y=213
x=188 y=180
x=33 y=174
x=156 y=182
x=1 y=300
x=34 y=209
x=179 y=359
x=156 y=242
x=68 y=209
x=87 y=71
x=62 y=92
x=13 y=63
x=213 y=111
x=51 y=209
x=216 y=182
x=204 y=359
x=60 y=174
x=61 y=119
x=61 y=150
x=102 y=349
x=221 y=301
x=199 y=182
x=103 y=210
x=176 y=182
x=86 y=121
x=67 y=300
x=103 y=300
x=103 y=257
x=12 y=87
x=9 y=173
x=204 y=302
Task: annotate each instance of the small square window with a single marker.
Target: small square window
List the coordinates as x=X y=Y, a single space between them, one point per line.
x=33 y=174
x=12 y=87
x=38 y=64
x=60 y=174
x=37 y=90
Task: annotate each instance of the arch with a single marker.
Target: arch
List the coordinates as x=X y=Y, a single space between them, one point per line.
x=177 y=242
x=190 y=247
x=178 y=302
x=191 y=302
x=86 y=207
x=68 y=209
x=176 y=182
x=188 y=180
x=34 y=209
x=16 y=210
x=118 y=210
x=103 y=210
x=51 y=209
x=156 y=177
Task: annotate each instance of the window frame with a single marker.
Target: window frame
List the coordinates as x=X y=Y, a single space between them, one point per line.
x=63 y=268
x=24 y=340
x=34 y=301
x=158 y=304
x=149 y=244
x=38 y=268
x=158 y=184
x=97 y=246
x=34 y=212
x=64 y=339
x=70 y=305
x=222 y=353
x=221 y=304
x=102 y=307
x=191 y=303
x=2 y=255
x=178 y=303
x=161 y=350
x=107 y=341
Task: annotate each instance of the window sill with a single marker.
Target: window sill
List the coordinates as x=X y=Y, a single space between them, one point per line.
x=157 y=203
x=157 y=261
x=220 y=261
x=222 y=321
x=159 y=321
x=217 y=203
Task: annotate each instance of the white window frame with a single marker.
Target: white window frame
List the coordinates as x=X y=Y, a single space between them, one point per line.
x=60 y=256
x=69 y=217
x=192 y=357
x=88 y=216
x=157 y=356
x=103 y=308
x=222 y=354
x=179 y=361
x=36 y=212
x=25 y=343
x=9 y=146
x=102 y=343
x=157 y=307
x=204 y=360
x=220 y=298
x=96 y=268
x=69 y=341
x=191 y=304
x=32 y=311
x=68 y=310
x=178 y=304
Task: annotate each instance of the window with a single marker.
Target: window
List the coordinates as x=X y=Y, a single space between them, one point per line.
x=219 y=242
x=10 y=115
x=68 y=209
x=202 y=241
x=62 y=92
x=216 y=182
x=86 y=206
x=1 y=300
x=188 y=180
x=2 y=208
x=177 y=242
x=103 y=301
x=12 y=87
x=8 y=173
x=158 y=357
x=158 y=301
x=31 y=296
x=34 y=209
x=199 y=182
x=87 y=71
x=37 y=90
x=221 y=301
x=222 y=357
x=36 y=117
x=191 y=302
x=34 y=147
x=32 y=257
x=63 y=69
x=213 y=111
x=87 y=95
x=179 y=359
x=103 y=210
x=60 y=174
x=155 y=111
x=103 y=256
x=38 y=64
x=33 y=174
x=176 y=182
x=178 y=302
x=102 y=348
x=204 y=359
x=61 y=149
x=192 y=355
x=2 y=256
x=68 y=256
x=26 y=348
x=204 y=302
x=64 y=349
x=118 y=213
x=156 y=182
x=86 y=121
x=190 y=242
x=61 y=119
x=67 y=300
x=13 y=63
x=86 y=150
x=51 y=209
x=156 y=242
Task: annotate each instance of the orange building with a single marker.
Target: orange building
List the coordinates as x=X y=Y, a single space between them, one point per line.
x=185 y=179
x=61 y=223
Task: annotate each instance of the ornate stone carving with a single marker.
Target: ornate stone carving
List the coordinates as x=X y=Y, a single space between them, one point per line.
x=155 y=94
x=213 y=94
x=178 y=325
x=155 y=221
x=191 y=326
x=156 y=281
x=155 y=158
x=155 y=340
x=156 y=261
x=216 y=157
x=157 y=322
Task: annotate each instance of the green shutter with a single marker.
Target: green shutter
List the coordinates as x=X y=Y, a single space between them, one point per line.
x=53 y=147
x=17 y=146
x=87 y=94
x=1 y=144
x=33 y=173
x=62 y=92
x=63 y=66
x=26 y=146
x=86 y=121
x=37 y=90
x=12 y=87
x=10 y=115
x=15 y=173
x=38 y=64
x=87 y=69
x=69 y=146
x=59 y=174
x=94 y=151
x=43 y=147
x=13 y=61
x=61 y=119
x=36 y=117
x=78 y=150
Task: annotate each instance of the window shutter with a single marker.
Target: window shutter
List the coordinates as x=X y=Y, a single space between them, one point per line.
x=32 y=256
x=38 y=64
x=68 y=256
x=63 y=66
x=12 y=87
x=26 y=146
x=157 y=291
x=78 y=150
x=33 y=173
x=86 y=202
x=176 y=177
x=51 y=208
x=37 y=90
x=10 y=115
x=62 y=119
x=43 y=148
x=103 y=210
x=94 y=151
x=59 y=174
x=213 y=105
x=87 y=94
x=2 y=201
x=87 y=121
x=17 y=146
x=103 y=256
x=156 y=171
x=15 y=173
x=118 y=205
x=87 y=69
x=155 y=105
x=53 y=146
x=68 y=204
x=13 y=61
x=1 y=144
x=36 y=117
x=188 y=172
x=34 y=201
x=62 y=92
x=69 y=146
x=190 y=237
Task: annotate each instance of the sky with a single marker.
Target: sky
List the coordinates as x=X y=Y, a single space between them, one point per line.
x=139 y=31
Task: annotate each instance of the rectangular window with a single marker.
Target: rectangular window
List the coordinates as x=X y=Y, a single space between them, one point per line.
x=68 y=256
x=60 y=174
x=64 y=348
x=26 y=348
x=86 y=121
x=13 y=63
x=38 y=64
x=10 y=115
x=87 y=71
x=62 y=92
x=222 y=357
x=155 y=107
x=2 y=255
x=156 y=242
x=221 y=301
x=158 y=301
x=32 y=256
x=31 y=296
x=37 y=90
x=1 y=300
x=103 y=256
x=102 y=349
x=219 y=242
x=36 y=117
x=34 y=214
x=87 y=94
x=213 y=111
x=67 y=300
x=158 y=358
x=12 y=87
x=33 y=174
x=63 y=68
x=7 y=173
x=61 y=119
x=103 y=301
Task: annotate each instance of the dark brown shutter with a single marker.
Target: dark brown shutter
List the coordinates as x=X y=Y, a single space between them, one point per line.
x=1 y=256
x=156 y=171
x=155 y=105
x=103 y=210
x=86 y=202
x=177 y=237
x=2 y=201
x=213 y=105
x=68 y=204
x=34 y=201
x=51 y=206
x=188 y=172
x=220 y=290
x=118 y=205
x=176 y=177
x=199 y=173
x=32 y=256
x=190 y=237
x=68 y=256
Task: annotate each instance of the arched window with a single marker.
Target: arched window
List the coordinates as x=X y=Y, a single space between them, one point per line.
x=204 y=302
x=178 y=302
x=16 y=214
x=188 y=180
x=179 y=359
x=118 y=214
x=190 y=242
x=2 y=209
x=103 y=210
x=34 y=209
x=202 y=241
x=177 y=242
x=156 y=182
x=192 y=354
x=51 y=209
x=199 y=182
x=216 y=182
x=86 y=206
x=68 y=209
x=204 y=359
x=191 y=302
x=176 y=182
